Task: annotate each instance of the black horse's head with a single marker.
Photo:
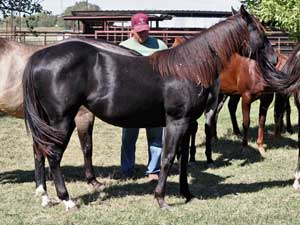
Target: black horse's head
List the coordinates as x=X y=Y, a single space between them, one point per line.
x=258 y=41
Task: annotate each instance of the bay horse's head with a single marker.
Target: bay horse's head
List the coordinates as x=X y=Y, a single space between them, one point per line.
x=258 y=41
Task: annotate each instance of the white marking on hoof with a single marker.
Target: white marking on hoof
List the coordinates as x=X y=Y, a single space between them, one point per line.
x=296 y=182
x=297 y=175
x=69 y=204
x=40 y=190
x=296 y=185
x=45 y=200
x=262 y=151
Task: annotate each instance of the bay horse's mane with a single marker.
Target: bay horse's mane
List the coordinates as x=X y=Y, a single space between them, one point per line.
x=194 y=59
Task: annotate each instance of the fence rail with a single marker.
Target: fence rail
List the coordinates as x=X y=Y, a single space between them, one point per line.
x=279 y=40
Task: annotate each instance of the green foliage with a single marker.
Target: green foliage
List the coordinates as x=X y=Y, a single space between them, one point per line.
x=282 y=14
x=79 y=6
x=12 y=7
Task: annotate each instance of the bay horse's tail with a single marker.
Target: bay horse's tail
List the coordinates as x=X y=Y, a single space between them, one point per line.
x=288 y=80
x=36 y=119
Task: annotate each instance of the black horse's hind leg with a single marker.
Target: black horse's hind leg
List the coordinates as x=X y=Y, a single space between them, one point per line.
x=40 y=176
x=84 y=123
x=66 y=126
x=232 y=106
x=296 y=184
x=193 y=131
x=288 y=116
x=173 y=136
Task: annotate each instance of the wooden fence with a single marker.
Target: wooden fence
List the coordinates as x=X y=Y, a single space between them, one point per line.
x=279 y=40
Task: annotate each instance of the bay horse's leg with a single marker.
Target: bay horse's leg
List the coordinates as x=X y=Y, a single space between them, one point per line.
x=297 y=171
x=265 y=102
x=193 y=131
x=246 y=105
x=66 y=127
x=232 y=106
x=173 y=136
x=84 y=123
x=279 y=107
x=40 y=176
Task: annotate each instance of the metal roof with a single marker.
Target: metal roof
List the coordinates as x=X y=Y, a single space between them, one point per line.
x=153 y=14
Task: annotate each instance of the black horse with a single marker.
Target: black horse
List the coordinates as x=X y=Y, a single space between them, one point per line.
x=290 y=85
x=171 y=88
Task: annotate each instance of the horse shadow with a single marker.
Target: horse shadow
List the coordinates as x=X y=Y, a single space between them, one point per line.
x=2 y=114
x=230 y=148
x=203 y=184
x=272 y=142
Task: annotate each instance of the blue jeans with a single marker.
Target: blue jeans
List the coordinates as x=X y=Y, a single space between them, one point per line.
x=129 y=137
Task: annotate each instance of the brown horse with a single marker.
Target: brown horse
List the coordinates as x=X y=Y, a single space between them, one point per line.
x=240 y=78
x=13 y=58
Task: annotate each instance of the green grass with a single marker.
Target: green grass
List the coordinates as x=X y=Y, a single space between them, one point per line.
x=242 y=189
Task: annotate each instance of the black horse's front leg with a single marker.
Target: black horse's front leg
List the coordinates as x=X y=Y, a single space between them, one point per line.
x=193 y=131
x=183 y=161
x=210 y=119
x=173 y=136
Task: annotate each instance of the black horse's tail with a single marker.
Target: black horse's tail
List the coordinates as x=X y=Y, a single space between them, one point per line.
x=286 y=81
x=36 y=119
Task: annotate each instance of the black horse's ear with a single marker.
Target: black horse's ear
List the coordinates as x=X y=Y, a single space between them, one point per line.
x=234 y=12
x=246 y=16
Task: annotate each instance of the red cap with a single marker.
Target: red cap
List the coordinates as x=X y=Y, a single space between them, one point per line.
x=139 y=22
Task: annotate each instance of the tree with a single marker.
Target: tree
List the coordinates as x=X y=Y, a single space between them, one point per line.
x=26 y=7
x=281 y=14
x=79 y=6
x=12 y=8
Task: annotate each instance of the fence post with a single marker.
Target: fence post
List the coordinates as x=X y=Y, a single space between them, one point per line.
x=45 y=39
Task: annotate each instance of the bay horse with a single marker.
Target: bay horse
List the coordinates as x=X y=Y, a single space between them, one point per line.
x=170 y=88
x=13 y=59
x=240 y=78
x=289 y=85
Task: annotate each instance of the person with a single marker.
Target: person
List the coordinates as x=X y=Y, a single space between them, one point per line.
x=141 y=42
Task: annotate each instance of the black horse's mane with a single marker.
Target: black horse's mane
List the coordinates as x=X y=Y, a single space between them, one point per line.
x=287 y=81
x=195 y=60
